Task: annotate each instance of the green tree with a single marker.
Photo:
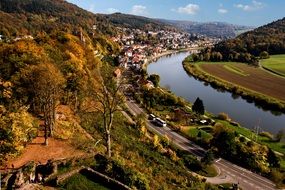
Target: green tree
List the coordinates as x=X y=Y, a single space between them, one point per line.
x=195 y=57
x=272 y=159
x=225 y=142
x=198 y=106
x=264 y=55
x=208 y=157
x=154 y=78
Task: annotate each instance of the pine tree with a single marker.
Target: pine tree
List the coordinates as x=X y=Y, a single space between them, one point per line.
x=198 y=106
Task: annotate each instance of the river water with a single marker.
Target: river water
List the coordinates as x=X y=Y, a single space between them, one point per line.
x=173 y=76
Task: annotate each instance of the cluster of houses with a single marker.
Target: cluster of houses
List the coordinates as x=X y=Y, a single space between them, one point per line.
x=139 y=46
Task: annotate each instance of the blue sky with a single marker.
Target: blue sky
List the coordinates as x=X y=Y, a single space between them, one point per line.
x=243 y=12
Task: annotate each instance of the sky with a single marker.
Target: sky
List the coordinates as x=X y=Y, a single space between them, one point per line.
x=241 y=12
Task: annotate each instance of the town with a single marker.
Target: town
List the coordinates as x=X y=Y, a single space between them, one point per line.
x=139 y=47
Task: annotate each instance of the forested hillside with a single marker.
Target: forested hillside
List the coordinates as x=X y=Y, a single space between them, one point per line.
x=248 y=47
x=49 y=53
x=31 y=16
x=140 y=22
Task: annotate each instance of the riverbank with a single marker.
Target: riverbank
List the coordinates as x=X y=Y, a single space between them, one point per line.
x=180 y=118
x=172 y=73
x=152 y=59
x=264 y=101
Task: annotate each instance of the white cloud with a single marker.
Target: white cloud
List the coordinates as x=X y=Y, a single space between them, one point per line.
x=112 y=10
x=190 y=9
x=252 y=7
x=139 y=10
x=222 y=11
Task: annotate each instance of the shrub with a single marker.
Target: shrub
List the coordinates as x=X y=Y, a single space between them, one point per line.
x=165 y=141
x=223 y=116
x=266 y=134
x=250 y=143
x=156 y=141
x=121 y=173
x=192 y=162
x=264 y=55
x=242 y=139
x=172 y=155
x=276 y=176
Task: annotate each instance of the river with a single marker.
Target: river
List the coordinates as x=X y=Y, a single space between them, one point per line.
x=174 y=77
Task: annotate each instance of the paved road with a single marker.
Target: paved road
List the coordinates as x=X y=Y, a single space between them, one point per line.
x=229 y=172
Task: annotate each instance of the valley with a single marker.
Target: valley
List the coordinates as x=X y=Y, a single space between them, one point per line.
x=104 y=95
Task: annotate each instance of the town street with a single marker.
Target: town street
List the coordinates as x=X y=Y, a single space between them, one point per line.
x=228 y=172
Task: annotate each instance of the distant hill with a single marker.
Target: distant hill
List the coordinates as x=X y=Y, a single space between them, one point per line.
x=210 y=29
x=29 y=16
x=270 y=37
x=248 y=46
x=139 y=22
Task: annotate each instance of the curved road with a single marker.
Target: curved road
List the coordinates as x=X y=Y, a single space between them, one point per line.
x=229 y=172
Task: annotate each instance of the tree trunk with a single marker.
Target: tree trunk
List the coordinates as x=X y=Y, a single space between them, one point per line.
x=108 y=132
x=46 y=136
x=108 y=135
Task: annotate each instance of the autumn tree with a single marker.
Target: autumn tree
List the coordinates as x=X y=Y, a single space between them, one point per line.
x=47 y=83
x=107 y=95
x=16 y=129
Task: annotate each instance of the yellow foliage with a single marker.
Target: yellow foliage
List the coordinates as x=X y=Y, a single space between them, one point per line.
x=155 y=140
x=76 y=62
x=23 y=127
x=143 y=130
x=172 y=155
x=29 y=46
x=64 y=130
x=6 y=89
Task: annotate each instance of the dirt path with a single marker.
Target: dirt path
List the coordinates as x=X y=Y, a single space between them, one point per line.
x=36 y=151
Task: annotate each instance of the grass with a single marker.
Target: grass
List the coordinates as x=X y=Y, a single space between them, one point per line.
x=276 y=64
x=80 y=182
x=282 y=163
x=193 y=131
x=234 y=69
x=208 y=171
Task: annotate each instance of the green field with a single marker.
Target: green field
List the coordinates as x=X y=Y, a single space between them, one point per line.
x=276 y=64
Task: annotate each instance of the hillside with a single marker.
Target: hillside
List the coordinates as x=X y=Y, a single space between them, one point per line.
x=140 y=22
x=248 y=46
x=211 y=29
x=30 y=16
x=46 y=60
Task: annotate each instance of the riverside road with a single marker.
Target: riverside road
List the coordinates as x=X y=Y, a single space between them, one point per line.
x=228 y=172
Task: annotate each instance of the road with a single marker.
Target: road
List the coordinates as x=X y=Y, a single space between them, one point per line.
x=228 y=172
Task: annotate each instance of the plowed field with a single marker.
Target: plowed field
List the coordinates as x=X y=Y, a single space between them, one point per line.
x=254 y=79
